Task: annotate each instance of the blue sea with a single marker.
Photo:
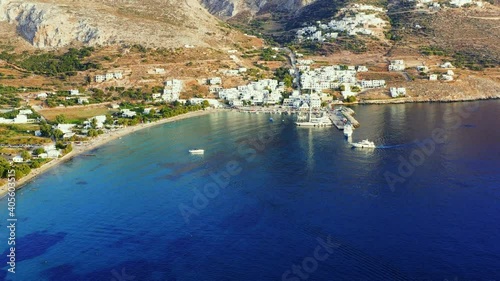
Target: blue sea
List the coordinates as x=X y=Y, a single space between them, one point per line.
x=271 y=201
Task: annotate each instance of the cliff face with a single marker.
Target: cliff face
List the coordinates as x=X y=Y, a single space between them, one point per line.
x=230 y=8
x=163 y=23
x=47 y=26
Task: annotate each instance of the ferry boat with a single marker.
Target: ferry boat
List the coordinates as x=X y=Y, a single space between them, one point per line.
x=196 y=151
x=348 y=130
x=364 y=144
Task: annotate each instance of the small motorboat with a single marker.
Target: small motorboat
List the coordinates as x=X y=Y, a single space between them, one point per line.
x=271 y=119
x=196 y=151
x=364 y=144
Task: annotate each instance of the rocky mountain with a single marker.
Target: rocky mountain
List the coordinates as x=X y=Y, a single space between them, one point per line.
x=231 y=8
x=58 y=23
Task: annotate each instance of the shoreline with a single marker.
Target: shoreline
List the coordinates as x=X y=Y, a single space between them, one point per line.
x=97 y=142
x=422 y=100
x=105 y=138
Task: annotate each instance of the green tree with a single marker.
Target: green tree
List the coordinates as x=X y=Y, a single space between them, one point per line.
x=45 y=129
x=57 y=134
x=4 y=167
x=205 y=104
x=35 y=164
x=92 y=133
x=38 y=151
x=60 y=119
x=68 y=148
x=21 y=170
x=93 y=123
x=25 y=155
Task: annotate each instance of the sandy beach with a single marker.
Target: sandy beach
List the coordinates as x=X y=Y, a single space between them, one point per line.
x=96 y=142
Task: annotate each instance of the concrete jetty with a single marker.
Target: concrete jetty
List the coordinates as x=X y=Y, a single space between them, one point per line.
x=348 y=113
x=337 y=119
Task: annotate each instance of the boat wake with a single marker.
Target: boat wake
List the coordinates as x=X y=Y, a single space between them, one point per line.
x=397 y=145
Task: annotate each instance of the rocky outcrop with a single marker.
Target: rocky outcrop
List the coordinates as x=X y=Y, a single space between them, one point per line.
x=46 y=25
x=50 y=24
x=231 y=8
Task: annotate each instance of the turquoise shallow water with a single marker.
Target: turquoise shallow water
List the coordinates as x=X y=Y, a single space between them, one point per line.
x=266 y=195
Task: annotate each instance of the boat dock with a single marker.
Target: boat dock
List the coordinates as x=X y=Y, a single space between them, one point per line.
x=337 y=119
x=348 y=113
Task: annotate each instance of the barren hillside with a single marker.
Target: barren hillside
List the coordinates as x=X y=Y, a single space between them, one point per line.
x=166 y=23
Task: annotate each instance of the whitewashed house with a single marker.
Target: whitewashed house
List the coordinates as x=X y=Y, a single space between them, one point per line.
x=127 y=113
x=159 y=71
x=53 y=154
x=362 y=68
x=100 y=78
x=21 y=119
x=74 y=92
x=65 y=128
x=433 y=77
x=397 y=65
x=447 y=65
x=397 y=92
x=83 y=100
x=25 y=111
x=17 y=159
x=215 y=81
x=42 y=96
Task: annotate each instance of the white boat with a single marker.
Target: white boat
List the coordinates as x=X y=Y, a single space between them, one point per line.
x=348 y=130
x=364 y=144
x=196 y=151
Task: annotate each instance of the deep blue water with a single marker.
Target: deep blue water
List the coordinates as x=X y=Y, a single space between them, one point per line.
x=287 y=197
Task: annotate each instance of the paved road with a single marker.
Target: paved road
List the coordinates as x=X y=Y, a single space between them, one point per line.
x=293 y=62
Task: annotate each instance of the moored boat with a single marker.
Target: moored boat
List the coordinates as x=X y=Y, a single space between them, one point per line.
x=196 y=151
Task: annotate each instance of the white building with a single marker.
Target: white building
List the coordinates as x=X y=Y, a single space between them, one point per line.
x=17 y=159
x=447 y=65
x=127 y=113
x=215 y=81
x=83 y=100
x=53 y=154
x=109 y=76
x=447 y=77
x=172 y=90
x=19 y=119
x=397 y=92
x=100 y=78
x=362 y=68
x=25 y=111
x=65 y=128
x=42 y=96
x=397 y=65
x=74 y=92
x=159 y=71
x=433 y=77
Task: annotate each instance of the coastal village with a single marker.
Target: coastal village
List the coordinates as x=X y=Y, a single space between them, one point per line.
x=314 y=88
x=137 y=86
